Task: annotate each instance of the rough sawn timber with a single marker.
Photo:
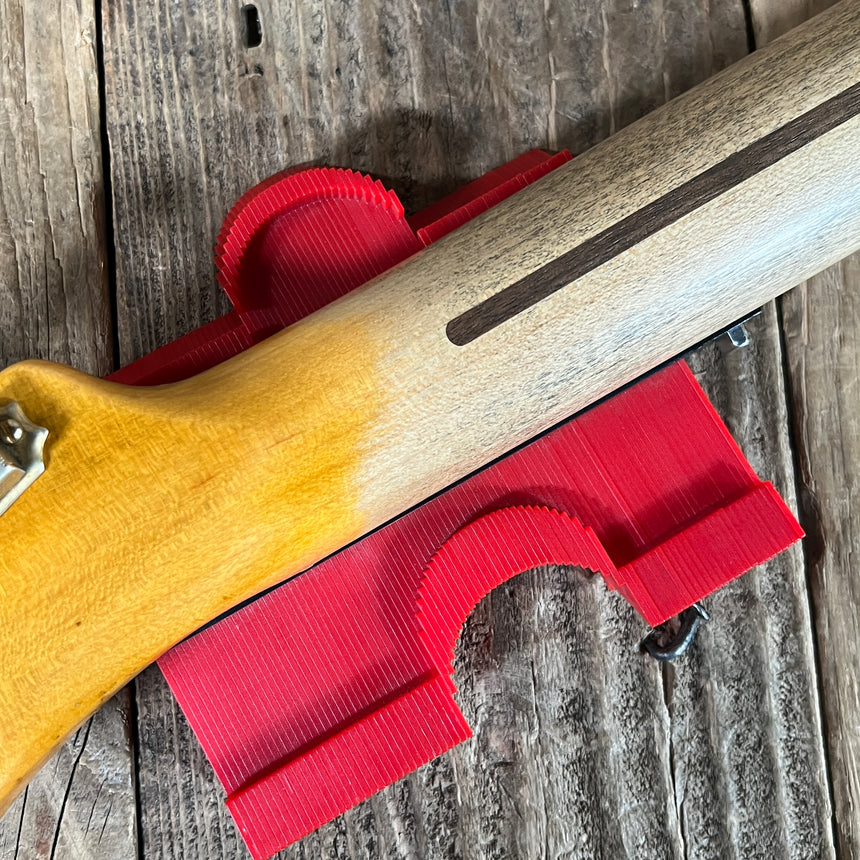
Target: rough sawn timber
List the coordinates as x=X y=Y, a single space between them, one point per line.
x=54 y=304
x=582 y=748
x=821 y=330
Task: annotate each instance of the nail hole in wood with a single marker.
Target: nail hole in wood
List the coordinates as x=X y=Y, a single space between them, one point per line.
x=252 y=29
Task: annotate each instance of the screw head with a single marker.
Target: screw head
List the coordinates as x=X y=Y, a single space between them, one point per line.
x=22 y=446
x=11 y=431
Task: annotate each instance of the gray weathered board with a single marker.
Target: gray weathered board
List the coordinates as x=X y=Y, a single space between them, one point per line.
x=126 y=131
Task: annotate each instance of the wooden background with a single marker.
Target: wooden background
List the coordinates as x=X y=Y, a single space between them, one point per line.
x=126 y=131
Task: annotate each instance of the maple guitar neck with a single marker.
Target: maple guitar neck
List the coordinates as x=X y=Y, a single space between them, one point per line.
x=161 y=508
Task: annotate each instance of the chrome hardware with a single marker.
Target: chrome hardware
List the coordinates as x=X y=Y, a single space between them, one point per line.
x=22 y=446
x=738 y=336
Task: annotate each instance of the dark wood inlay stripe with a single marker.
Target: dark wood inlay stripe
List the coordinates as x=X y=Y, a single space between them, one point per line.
x=660 y=213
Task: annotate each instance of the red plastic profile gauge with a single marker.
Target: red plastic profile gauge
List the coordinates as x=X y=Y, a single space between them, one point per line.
x=335 y=684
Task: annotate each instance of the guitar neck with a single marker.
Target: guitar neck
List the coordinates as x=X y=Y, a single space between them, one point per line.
x=621 y=259
x=162 y=508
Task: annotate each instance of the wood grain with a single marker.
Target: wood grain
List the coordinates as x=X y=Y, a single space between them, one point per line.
x=252 y=471
x=662 y=212
x=819 y=324
x=54 y=304
x=54 y=285
x=772 y=18
x=428 y=100
x=821 y=319
x=767 y=730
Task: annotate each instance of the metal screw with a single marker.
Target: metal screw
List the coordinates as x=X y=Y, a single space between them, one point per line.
x=739 y=336
x=670 y=640
x=11 y=431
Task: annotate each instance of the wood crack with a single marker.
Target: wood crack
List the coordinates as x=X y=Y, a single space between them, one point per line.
x=69 y=784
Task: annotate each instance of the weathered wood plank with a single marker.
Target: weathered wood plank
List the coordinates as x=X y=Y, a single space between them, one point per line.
x=54 y=285
x=54 y=304
x=571 y=752
x=82 y=803
x=772 y=18
x=819 y=324
x=757 y=672
x=582 y=748
x=822 y=320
